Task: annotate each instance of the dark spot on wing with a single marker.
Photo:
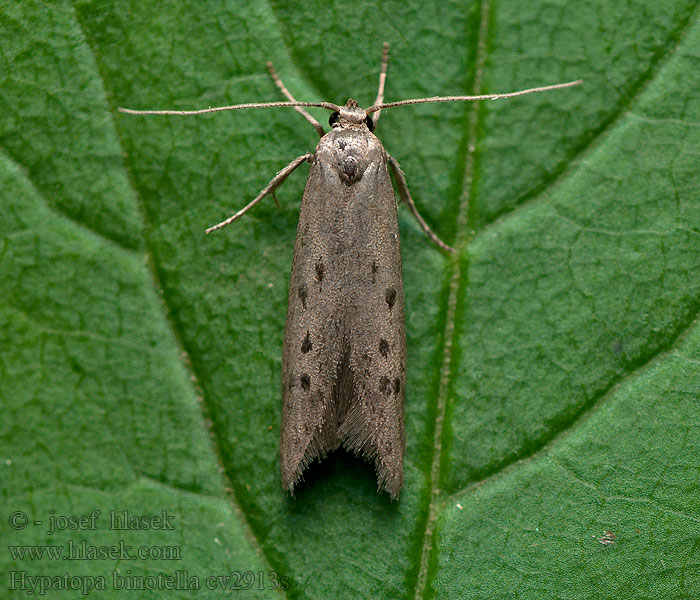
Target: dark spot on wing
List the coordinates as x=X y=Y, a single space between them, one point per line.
x=391 y=297
x=306 y=344
x=397 y=386
x=319 y=271
x=305 y=382
x=384 y=385
x=302 y=296
x=384 y=347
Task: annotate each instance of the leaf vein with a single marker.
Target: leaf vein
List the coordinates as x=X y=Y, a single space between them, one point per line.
x=578 y=154
x=547 y=443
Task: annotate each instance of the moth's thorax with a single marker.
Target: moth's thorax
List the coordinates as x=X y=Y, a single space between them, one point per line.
x=349 y=152
x=351 y=116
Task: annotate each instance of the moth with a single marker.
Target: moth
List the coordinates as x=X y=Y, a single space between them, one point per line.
x=344 y=354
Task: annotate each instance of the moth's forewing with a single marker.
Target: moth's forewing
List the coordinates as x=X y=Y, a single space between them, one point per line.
x=344 y=358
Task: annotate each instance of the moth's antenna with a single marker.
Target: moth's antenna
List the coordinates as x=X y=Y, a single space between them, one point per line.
x=288 y=95
x=378 y=107
x=382 y=81
x=131 y=111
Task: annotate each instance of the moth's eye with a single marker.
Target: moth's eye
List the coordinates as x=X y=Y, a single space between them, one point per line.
x=370 y=123
x=333 y=119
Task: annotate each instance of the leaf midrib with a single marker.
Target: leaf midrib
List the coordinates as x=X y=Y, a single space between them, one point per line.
x=455 y=286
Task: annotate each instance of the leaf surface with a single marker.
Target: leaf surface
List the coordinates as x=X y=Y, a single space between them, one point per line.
x=553 y=368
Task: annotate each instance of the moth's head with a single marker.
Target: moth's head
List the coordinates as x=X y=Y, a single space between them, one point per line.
x=351 y=116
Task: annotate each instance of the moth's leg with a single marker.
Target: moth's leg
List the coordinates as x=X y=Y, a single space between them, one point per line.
x=406 y=196
x=382 y=81
x=288 y=95
x=269 y=189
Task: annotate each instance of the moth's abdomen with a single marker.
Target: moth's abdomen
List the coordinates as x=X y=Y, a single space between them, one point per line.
x=344 y=349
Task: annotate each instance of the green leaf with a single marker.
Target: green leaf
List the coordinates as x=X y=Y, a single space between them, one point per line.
x=553 y=368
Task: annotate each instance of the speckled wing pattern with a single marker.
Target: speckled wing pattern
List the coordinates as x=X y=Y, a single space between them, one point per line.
x=344 y=358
